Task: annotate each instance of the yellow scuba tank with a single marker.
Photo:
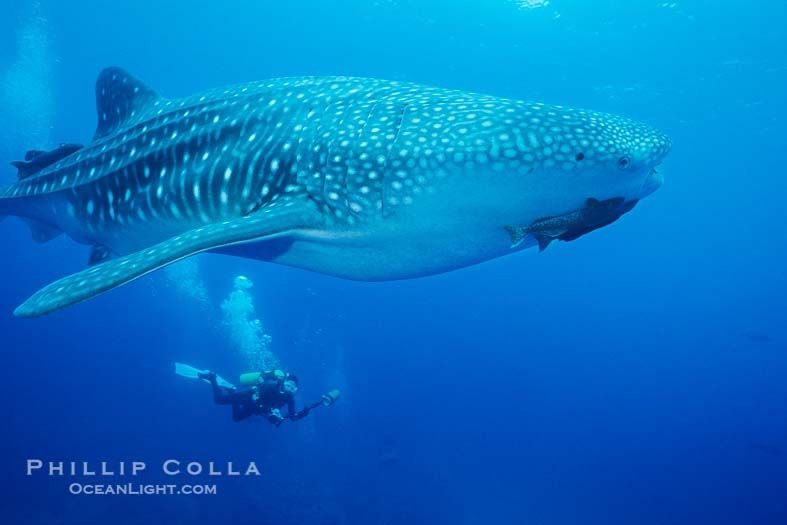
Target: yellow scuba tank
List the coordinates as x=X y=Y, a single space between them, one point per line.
x=250 y=378
x=253 y=378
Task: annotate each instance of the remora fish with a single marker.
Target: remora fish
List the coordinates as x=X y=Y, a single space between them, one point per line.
x=358 y=178
x=574 y=224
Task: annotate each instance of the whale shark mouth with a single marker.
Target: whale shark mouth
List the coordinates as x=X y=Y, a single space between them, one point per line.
x=572 y=225
x=653 y=181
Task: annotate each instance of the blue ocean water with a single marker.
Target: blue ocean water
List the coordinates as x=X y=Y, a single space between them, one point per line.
x=635 y=375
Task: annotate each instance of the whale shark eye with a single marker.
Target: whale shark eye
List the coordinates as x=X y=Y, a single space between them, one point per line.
x=580 y=157
x=623 y=162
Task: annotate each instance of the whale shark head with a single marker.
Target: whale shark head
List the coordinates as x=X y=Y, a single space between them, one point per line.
x=627 y=151
x=523 y=162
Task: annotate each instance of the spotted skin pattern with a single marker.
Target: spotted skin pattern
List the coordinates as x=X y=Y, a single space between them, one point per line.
x=396 y=180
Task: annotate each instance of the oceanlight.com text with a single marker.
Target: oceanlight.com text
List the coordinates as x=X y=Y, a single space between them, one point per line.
x=139 y=489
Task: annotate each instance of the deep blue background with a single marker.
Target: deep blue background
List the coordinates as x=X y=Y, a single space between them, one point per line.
x=636 y=375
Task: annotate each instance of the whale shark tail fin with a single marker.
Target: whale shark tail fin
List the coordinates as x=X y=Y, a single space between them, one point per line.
x=121 y=100
x=280 y=219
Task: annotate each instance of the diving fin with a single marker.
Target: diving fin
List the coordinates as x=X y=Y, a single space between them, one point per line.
x=190 y=372
x=278 y=218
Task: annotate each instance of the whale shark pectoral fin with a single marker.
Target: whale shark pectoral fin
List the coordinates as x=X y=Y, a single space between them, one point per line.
x=268 y=222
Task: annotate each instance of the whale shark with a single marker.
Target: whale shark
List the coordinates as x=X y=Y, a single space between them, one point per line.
x=357 y=178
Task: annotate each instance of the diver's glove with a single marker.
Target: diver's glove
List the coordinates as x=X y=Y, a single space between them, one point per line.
x=275 y=417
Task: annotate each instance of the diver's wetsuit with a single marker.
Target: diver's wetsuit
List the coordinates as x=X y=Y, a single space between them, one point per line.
x=258 y=400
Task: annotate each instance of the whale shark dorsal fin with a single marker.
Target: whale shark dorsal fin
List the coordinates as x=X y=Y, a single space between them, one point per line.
x=281 y=218
x=120 y=99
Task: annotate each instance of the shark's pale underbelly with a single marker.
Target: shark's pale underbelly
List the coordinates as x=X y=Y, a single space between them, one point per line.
x=382 y=253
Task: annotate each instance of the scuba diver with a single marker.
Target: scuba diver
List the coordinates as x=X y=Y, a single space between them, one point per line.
x=262 y=393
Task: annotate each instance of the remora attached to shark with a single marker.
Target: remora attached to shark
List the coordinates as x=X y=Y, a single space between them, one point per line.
x=358 y=178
